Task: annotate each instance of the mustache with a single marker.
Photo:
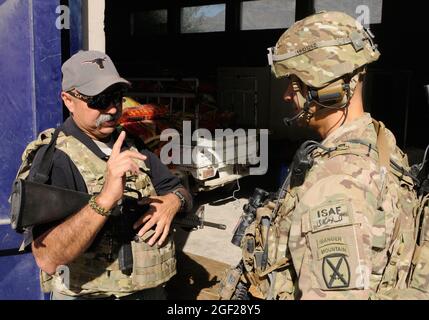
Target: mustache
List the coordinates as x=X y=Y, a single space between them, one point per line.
x=105 y=118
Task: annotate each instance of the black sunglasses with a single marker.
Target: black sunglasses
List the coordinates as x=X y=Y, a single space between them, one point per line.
x=100 y=101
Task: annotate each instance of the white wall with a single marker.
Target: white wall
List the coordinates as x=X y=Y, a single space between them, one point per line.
x=94 y=37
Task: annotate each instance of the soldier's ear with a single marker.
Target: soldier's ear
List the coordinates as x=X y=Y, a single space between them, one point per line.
x=68 y=101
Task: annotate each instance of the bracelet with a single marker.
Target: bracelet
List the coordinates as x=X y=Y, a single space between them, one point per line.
x=97 y=208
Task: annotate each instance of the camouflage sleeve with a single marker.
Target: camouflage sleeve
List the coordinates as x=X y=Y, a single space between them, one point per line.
x=401 y=294
x=331 y=239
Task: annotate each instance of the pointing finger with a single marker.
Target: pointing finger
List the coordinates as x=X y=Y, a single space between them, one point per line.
x=116 y=149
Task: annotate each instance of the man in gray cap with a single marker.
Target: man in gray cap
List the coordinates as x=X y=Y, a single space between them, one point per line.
x=105 y=250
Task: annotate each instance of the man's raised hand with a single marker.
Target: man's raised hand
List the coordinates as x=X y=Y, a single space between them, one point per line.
x=118 y=165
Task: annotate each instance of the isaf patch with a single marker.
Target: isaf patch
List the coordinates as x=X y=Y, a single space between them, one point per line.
x=330 y=215
x=336 y=271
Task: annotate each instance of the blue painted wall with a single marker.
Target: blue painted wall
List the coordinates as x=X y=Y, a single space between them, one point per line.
x=76 y=35
x=19 y=274
x=30 y=84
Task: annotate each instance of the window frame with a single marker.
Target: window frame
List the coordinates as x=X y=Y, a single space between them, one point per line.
x=232 y=13
x=241 y=14
x=202 y=32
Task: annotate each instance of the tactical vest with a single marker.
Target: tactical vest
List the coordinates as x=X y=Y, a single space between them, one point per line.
x=96 y=272
x=420 y=267
x=407 y=266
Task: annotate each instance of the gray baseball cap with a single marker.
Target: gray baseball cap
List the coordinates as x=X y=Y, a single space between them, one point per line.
x=90 y=73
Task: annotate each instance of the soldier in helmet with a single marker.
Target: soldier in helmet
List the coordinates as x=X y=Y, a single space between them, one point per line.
x=343 y=226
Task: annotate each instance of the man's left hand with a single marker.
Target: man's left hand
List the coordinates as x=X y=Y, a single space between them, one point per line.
x=161 y=213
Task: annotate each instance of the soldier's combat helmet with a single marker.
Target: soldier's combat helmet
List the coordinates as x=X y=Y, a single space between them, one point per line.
x=323 y=48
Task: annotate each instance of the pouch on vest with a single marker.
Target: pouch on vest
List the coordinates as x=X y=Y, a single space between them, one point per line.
x=230 y=282
x=420 y=276
x=264 y=252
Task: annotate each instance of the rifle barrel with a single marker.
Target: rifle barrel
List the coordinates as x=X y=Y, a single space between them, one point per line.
x=214 y=225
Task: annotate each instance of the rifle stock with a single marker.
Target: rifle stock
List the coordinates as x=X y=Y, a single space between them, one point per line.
x=35 y=203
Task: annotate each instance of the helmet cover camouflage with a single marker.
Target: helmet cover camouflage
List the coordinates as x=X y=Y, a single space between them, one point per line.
x=322 y=48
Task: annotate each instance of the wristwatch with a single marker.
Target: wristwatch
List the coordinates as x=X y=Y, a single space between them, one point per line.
x=181 y=198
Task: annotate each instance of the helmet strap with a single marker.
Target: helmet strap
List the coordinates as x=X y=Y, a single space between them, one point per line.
x=303 y=104
x=342 y=89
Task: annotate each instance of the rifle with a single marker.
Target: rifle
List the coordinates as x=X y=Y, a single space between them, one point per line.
x=34 y=203
x=420 y=171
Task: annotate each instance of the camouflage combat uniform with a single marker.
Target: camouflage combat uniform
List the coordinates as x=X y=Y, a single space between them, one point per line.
x=342 y=231
x=349 y=230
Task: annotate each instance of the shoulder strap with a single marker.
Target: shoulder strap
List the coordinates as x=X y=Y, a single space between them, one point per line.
x=382 y=144
x=381 y=151
x=42 y=175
